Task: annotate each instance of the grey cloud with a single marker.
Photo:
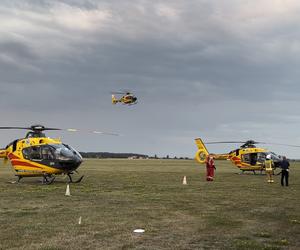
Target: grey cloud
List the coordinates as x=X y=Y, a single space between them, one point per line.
x=203 y=68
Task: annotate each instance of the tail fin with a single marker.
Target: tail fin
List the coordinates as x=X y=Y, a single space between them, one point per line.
x=202 y=152
x=113 y=99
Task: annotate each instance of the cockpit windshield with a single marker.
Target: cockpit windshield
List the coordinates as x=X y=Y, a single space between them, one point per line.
x=64 y=152
x=259 y=157
x=61 y=152
x=274 y=156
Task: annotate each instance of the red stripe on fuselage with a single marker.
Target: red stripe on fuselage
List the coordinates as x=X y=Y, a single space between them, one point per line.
x=25 y=164
x=11 y=156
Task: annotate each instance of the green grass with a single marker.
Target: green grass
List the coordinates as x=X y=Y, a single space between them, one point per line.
x=117 y=196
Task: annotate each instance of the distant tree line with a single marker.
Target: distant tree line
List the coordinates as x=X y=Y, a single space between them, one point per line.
x=105 y=155
x=111 y=155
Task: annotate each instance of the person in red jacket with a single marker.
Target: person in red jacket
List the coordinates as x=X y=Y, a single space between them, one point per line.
x=210 y=168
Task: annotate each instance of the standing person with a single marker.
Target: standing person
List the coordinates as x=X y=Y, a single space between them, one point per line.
x=269 y=164
x=210 y=168
x=284 y=171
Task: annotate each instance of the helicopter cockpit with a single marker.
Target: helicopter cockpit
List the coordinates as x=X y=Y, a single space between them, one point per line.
x=259 y=158
x=61 y=153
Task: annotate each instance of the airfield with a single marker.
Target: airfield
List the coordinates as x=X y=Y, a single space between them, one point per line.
x=117 y=196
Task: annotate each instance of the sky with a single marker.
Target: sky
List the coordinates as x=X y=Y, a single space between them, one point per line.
x=219 y=70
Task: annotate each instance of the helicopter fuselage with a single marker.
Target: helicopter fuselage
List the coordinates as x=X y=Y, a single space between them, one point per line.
x=40 y=156
x=252 y=158
x=246 y=158
x=127 y=99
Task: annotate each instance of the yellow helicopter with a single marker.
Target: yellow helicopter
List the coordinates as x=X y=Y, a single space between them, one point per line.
x=39 y=156
x=127 y=98
x=247 y=157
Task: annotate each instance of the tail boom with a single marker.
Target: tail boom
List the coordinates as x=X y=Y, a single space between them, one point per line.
x=202 y=153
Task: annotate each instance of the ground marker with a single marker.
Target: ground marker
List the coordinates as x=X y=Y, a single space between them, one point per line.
x=184 y=180
x=139 y=230
x=68 y=190
x=79 y=221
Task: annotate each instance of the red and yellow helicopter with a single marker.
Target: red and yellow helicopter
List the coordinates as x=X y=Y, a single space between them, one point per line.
x=127 y=98
x=39 y=156
x=247 y=157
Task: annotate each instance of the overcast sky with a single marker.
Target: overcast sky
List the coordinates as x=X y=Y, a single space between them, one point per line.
x=219 y=70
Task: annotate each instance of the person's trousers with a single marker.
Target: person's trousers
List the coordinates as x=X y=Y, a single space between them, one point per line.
x=269 y=176
x=284 y=176
x=210 y=172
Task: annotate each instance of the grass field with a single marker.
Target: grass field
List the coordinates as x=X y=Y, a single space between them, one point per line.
x=117 y=196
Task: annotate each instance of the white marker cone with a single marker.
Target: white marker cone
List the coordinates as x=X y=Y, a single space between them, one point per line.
x=184 y=180
x=68 y=191
x=79 y=221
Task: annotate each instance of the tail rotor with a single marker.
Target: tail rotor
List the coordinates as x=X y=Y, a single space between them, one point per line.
x=202 y=152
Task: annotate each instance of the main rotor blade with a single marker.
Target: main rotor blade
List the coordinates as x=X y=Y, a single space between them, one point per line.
x=15 y=128
x=105 y=133
x=224 y=142
x=119 y=93
x=41 y=128
x=52 y=129
x=91 y=131
x=253 y=142
x=280 y=144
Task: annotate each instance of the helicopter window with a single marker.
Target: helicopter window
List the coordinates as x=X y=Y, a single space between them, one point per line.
x=274 y=157
x=253 y=159
x=73 y=150
x=246 y=158
x=62 y=152
x=47 y=152
x=26 y=153
x=35 y=153
x=39 y=153
x=250 y=158
x=261 y=157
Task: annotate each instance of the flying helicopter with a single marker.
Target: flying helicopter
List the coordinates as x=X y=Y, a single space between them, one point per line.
x=248 y=157
x=126 y=98
x=39 y=156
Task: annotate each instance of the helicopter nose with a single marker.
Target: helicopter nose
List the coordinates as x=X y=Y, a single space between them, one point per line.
x=71 y=164
x=77 y=161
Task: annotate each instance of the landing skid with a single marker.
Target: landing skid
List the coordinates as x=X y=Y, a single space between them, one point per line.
x=47 y=181
x=253 y=171
x=17 y=181
x=71 y=180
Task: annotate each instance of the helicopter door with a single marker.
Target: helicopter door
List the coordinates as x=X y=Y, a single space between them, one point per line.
x=35 y=154
x=250 y=158
x=47 y=153
x=32 y=153
x=39 y=153
x=261 y=157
